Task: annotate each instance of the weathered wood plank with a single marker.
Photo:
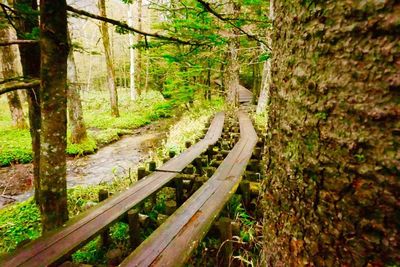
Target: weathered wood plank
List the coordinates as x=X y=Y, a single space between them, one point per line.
x=173 y=242
x=245 y=95
x=58 y=244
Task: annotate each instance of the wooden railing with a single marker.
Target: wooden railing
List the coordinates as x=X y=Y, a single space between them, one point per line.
x=174 y=241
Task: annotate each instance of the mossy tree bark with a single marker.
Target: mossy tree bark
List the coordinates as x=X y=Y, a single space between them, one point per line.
x=110 y=68
x=30 y=61
x=75 y=113
x=9 y=69
x=232 y=68
x=333 y=173
x=54 y=53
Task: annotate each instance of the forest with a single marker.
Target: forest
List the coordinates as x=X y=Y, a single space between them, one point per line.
x=199 y=133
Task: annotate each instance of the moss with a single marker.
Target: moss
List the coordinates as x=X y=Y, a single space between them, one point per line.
x=15 y=144
x=337 y=146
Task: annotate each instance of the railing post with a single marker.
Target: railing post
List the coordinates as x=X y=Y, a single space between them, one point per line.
x=105 y=235
x=179 y=191
x=245 y=188
x=152 y=168
x=134 y=228
x=225 y=230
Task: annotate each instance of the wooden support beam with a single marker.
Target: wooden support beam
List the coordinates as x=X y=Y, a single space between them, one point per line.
x=134 y=228
x=225 y=229
x=105 y=235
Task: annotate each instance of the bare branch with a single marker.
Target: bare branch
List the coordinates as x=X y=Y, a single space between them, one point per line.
x=127 y=27
x=17 y=85
x=18 y=42
x=209 y=9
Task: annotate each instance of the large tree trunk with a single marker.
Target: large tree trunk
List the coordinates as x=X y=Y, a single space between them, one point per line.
x=110 y=68
x=332 y=183
x=9 y=69
x=30 y=61
x=232 y=69
x=54 y=53
x=75 y=114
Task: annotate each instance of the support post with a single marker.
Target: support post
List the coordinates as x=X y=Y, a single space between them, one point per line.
x=179 y=191
x=225 y=230
x=245 y=188
x=105 y=235
x=188 y=144
x=152 y=168
x=134 y=228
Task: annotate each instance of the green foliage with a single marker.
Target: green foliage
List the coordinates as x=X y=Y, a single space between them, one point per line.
x=321 y=115
x=265 y=56
x=18 y=223
x=15 y=144
x=90 y=253
x=87 y=146
x=188 y=127
x=121 y=30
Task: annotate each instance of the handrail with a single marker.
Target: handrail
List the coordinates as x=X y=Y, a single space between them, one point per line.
x=173 y=242
x=56 y=246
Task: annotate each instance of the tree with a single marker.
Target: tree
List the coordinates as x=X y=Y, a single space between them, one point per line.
x=132 y=82
x=333 y=168
x=54 y=50
x=27 y=25
x=139 y=70
x=9 y=70
x=232 y=68
x=110 y=68
x=266 y=73
x=77 y=124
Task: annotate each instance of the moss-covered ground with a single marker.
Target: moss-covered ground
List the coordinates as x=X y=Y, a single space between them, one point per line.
x=15 y=144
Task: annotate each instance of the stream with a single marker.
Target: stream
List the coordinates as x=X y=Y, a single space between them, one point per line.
x=116 y=159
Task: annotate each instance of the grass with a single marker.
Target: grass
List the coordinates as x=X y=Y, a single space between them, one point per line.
x=189 y=127
x=15 y=144
x=22 y=221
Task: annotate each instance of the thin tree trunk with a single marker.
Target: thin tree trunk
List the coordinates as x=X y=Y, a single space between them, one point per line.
x=54 y=54
x=146 y=83
x=266 y=76
x=10 y=70
x=30 y=61
x=78 y=128
x=110 y=68
x=139 y=51
x=131 y=56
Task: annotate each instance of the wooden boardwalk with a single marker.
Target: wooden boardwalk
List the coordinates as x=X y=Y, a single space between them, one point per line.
x=245 y=96
x=174 y=241
x=57 y=246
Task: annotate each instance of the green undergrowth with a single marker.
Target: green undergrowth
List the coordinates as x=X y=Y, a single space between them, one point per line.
x=15 y=144
x=247 y=242
x=21 y=221
x=189 y=127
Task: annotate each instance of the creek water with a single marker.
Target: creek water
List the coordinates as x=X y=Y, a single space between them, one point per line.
x=115 y=159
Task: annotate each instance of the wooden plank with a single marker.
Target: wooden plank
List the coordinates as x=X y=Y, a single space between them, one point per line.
x=173 y=242
x=60 y=243
x=245 y=95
